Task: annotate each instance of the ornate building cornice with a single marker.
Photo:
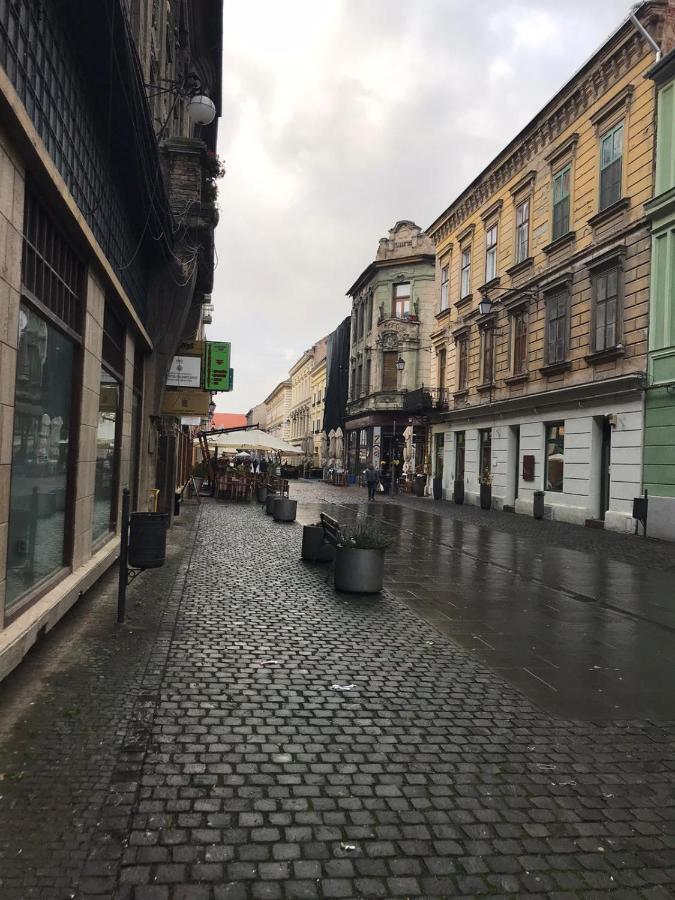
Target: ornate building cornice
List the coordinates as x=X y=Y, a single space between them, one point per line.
x=574 y=99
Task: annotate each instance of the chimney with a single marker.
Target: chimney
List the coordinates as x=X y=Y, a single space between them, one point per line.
x=668 y=39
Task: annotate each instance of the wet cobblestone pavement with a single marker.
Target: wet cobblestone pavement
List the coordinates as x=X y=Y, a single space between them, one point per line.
x=277 y=740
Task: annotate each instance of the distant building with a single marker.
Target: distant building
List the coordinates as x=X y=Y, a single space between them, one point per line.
x=393 y=306
x=257 y=416
x=278 y=405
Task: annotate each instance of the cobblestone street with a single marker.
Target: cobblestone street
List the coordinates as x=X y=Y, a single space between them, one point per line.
x=253 y=734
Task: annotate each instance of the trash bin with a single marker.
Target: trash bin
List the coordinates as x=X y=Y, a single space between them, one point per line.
x=538 y=505
x=147 y=540
x=420 y=484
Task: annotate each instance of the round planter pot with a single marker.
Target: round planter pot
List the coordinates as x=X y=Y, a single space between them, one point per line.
x=284 y=510
x=269 y=503
x=261 y=494
x=359 y=571
x=314 y=549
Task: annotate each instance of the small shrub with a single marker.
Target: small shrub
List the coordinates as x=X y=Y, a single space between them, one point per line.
x=364 y=535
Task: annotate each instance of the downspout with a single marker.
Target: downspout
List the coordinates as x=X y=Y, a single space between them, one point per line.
x=643 y=31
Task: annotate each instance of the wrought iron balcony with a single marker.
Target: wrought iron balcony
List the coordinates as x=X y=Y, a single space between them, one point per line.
x=426 y=399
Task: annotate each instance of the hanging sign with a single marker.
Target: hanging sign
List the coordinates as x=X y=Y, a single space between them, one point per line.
x=216 y=366
x=186 y=403
x=185 y=372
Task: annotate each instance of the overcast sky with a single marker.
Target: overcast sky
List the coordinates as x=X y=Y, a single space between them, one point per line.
x=340 y=117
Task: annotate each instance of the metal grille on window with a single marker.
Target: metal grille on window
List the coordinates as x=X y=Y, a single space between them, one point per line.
x=606 y=304
x=611 y=157
x=40 y=59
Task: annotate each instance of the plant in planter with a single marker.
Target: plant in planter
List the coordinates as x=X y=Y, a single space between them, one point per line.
x=486 y=490
x=359 y=558
x=314 y=548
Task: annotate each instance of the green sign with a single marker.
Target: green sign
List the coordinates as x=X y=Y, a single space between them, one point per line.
x=217 y=366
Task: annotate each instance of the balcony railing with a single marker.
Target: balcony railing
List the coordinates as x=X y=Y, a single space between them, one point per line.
x=425 y=399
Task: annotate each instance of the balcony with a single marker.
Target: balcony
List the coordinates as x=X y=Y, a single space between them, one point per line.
x=425 y=400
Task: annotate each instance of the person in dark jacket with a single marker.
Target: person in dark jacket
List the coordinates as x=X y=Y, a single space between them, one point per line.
x=371 y=476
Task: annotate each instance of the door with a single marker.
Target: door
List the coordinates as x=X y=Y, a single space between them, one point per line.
x=605 y=459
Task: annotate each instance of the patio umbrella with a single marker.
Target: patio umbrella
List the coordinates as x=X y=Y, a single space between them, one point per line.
x=323 y=448
x=339 y=448
x=253 y=439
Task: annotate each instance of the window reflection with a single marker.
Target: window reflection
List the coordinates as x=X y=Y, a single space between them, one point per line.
x=105 y=494
x=39 y=480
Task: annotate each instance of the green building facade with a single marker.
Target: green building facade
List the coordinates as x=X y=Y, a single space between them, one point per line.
x=659 y=443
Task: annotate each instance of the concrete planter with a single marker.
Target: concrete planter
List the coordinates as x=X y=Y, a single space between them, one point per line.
x=284 y=510
x=314 y=548
x=269 y=503
x=261 y=493
x=485 y=496
x=359 y=571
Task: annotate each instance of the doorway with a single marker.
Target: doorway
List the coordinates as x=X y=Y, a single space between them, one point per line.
x=605 y=466
x=514 y=447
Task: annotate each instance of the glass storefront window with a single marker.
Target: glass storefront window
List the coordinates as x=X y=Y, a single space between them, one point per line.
x=555 y=456
x=40 y=452
x=485 y=474
x=105 y=495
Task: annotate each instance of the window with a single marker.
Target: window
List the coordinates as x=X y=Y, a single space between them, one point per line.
x=353 y=382
x=366 y=386
x=491 y=253
x=359 y=380
x=401 y=299
x=389 y=370
x=462 y=362
x=557 y=326
x=523 y=231
x=611 y=162
x=460 y=455
x=445 y=282
x=555 y=456
x=519 y=327
x=465 y=287
x=485 y=452
x=107 y=444
x=441 y=368
x=487 y=354
x=561 y=202
x=606 y=291
x=369 y=321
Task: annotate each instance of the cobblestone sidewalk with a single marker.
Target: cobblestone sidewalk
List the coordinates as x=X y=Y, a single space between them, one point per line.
x=288 y=742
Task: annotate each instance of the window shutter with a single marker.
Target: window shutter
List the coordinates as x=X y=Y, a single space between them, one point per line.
x=389 y=371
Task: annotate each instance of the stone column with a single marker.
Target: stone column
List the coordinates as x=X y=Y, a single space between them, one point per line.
x=12 y=191
x=91 y=387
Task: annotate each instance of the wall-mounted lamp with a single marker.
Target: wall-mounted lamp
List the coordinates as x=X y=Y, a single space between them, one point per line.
x=400 y=364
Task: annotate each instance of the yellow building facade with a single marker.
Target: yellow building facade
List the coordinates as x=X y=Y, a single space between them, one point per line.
x=544 y=380
x=318 y=389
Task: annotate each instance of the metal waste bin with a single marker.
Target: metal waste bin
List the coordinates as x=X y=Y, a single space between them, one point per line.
x=538 y=505
x=147 y=540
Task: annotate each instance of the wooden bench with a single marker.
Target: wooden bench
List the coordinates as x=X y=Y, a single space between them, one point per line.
x=331 y=529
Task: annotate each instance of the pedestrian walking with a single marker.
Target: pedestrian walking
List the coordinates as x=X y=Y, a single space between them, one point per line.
x=372 y=479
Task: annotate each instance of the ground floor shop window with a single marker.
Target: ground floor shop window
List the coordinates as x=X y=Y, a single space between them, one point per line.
x=485 y=470
x=460 y=455
x=439 y=449
x=39 y=485
x=555 y=456
x=105 y=493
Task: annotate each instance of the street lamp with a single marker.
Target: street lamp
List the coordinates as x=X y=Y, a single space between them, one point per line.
x=485 y=305
x=400 y=364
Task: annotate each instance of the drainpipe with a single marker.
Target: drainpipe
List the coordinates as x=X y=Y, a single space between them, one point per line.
x=643 y=31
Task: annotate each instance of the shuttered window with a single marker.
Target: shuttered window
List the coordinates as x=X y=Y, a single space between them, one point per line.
x=605 y=333
x=389 y=370
x=557 y=326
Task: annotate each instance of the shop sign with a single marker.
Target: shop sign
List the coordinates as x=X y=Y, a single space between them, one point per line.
x=185 y=372
x=191 y=420
x=217 y=366
x=186 y=403
x=191 y=348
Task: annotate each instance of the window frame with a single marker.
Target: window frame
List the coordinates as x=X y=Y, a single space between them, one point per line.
x=596 y=277
x=395 y=300
x=559 y=174
x=487 y=353
x=556 y=294
x=557 y=440
x=519 y=315
x=445 y=287
x=491 y=251
x=602 y=138
x=462 y=345
x=526 y=201
x=465 y=271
